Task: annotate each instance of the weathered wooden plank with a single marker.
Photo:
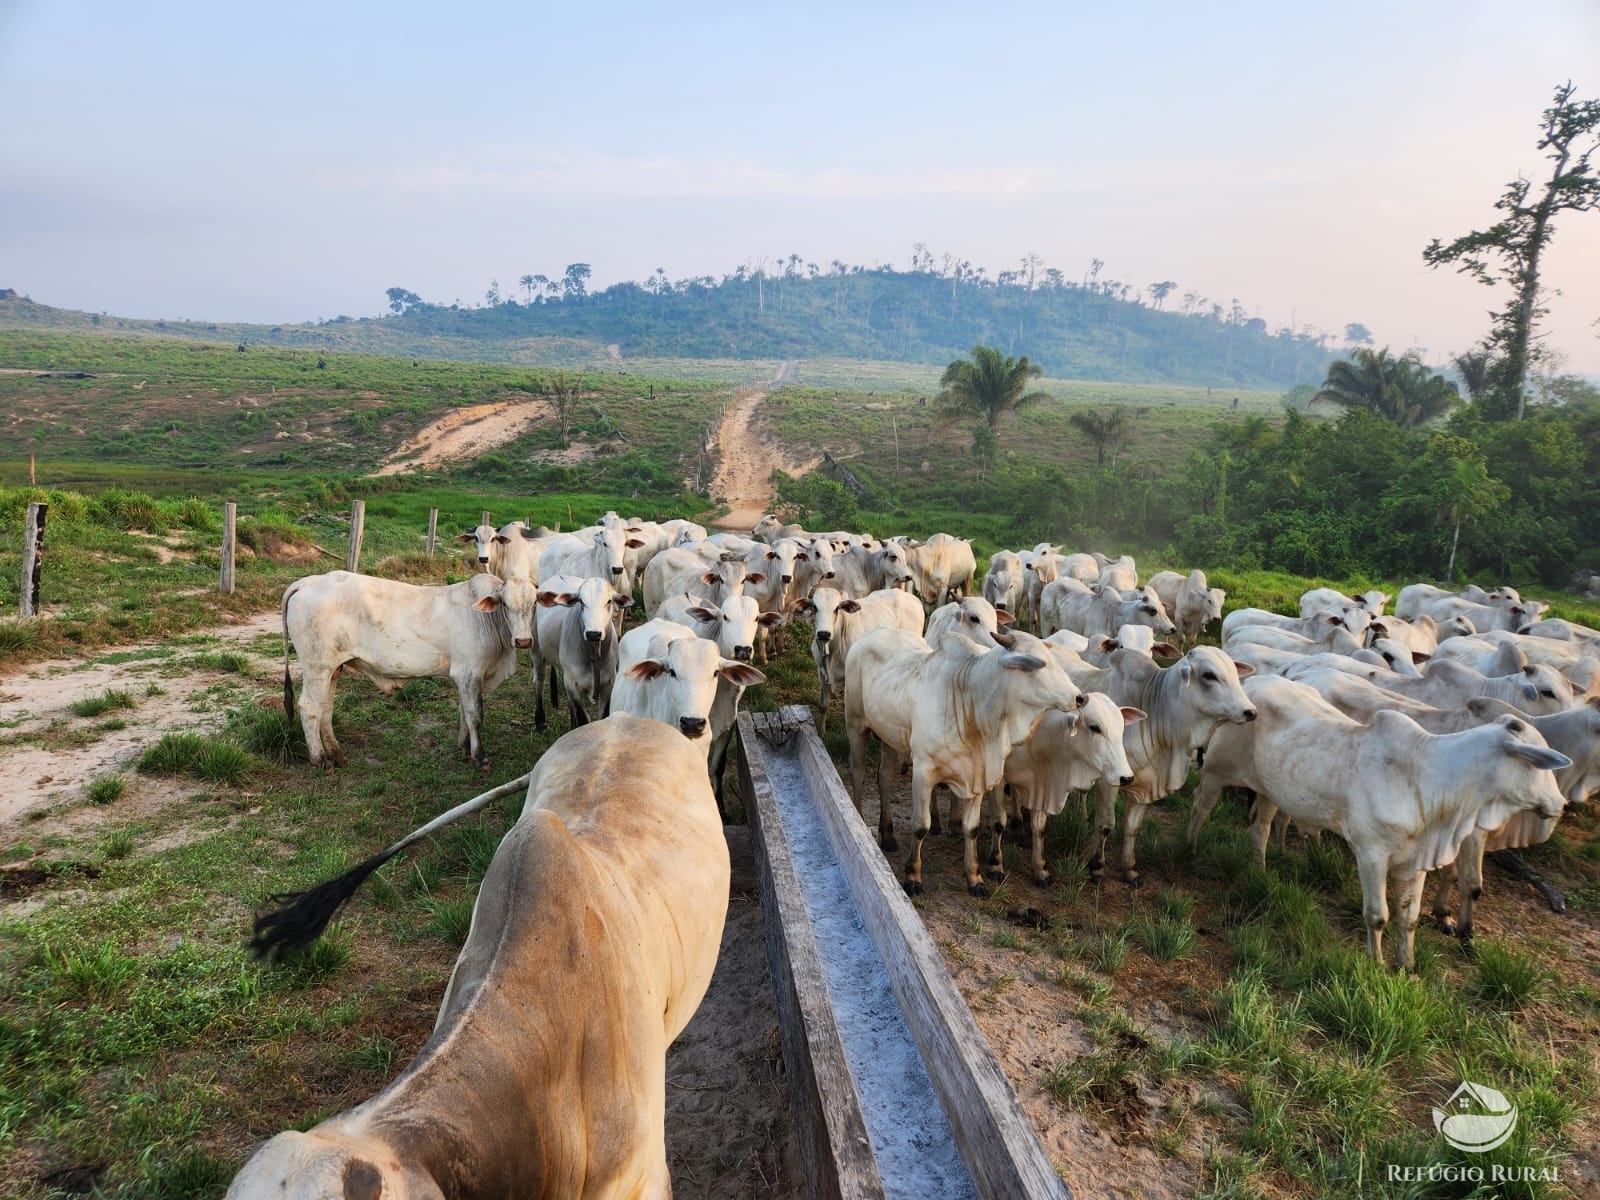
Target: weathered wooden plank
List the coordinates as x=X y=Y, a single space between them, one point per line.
x=230 y=517
x=433 y=529
x=32 y=558
x=831 y=1131
x=995 y=1136
x=358 y=520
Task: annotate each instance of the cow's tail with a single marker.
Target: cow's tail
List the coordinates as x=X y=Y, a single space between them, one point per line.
x=301 y=917
x=288 y=688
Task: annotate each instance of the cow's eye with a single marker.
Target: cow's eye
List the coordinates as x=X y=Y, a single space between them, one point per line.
x=1095 y=729
x=1209 y=677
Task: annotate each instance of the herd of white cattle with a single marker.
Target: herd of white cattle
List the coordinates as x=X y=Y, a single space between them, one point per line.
x=1460 y=724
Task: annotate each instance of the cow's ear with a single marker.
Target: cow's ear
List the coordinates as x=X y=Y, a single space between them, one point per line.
x=1166 y=650
x=804 y=605
x=772 y=554
x=547 y=600
x=701 y=613
x=488 y=604
x=1542 y=757
x=501 y=539
x=769 y=619
x=634 y=544
x=1418 y=657
x=849 y=606
x=1132 y=716
x=1022 y=662
x=1002 y=617
x=758 y=577
x=711 y=577
x=1243 y=669
x=647 y=668
x=623 y=601
x=466 y=539
x=1104 y=645
x=739 y=673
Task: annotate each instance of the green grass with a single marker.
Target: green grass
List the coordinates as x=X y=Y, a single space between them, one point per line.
x=106 y=701
x=214 y=760
x=103 y=789
x=1507 y=980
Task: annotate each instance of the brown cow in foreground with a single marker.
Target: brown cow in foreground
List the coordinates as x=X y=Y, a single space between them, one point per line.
x=592 y=943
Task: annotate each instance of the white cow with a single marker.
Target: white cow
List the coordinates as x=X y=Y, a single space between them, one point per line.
x=1004 y=584
x=1064 y=752
x=955 y=711
x=734 y=625
x=593 y=939
x=943 y=567
x=1404 y=799
x=1184 y=704
x=391 y=632
x=871 y=567
x=1536 y=689
x=1040 y=566
x=1190 y=601
x=1120 y=574
x=676 y=571
x=1099 y=610
x=840 y=622
x=1325 y=599
x=669 y=674
x=972 y=616
x=575 y=631
x=599 y=555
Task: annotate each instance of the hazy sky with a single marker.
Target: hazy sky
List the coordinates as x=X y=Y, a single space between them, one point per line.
x=291 y=161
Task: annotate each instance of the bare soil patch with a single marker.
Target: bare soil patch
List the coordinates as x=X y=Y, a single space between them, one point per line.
x=748 y=454
x=42 y=759
x=466 y=433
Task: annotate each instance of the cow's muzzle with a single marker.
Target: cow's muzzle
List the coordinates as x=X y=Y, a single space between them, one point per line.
x=824 y=636
x=592 y=635
x=1126 y=780
x=482 y=559
x=523 y=643
x=616 y=570
x=1083 y=698
x=1249 y=714
x=692 y=726
x=788 y=578
x=744 y=653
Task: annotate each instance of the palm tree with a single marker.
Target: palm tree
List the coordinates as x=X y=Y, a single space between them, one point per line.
x=526 y=284
x=1106 y=430
x=988 y=384
x=1401 y=389
x=1474 y=368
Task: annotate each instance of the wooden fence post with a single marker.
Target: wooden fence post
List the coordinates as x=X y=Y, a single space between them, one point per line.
x=32 y=558
x=230 y=517
x=358 y=518
x=433 y=528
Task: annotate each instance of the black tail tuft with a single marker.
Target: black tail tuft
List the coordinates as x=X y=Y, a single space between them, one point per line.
x=288 y=693
x=302 y=916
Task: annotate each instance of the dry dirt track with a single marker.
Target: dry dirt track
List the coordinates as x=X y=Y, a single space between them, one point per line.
x=467 y=433
x=747 y=457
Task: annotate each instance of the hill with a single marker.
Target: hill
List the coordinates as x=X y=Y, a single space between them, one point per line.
x=1090 y=331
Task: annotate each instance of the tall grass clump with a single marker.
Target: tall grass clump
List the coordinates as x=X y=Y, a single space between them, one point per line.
x=1381 y=1015
x=1164 y=938
x=131 y=510
x=106 y=701
x=1507 y=980
x=272 y=734
x=103 y=789
x=214 y=760
x=18 y=635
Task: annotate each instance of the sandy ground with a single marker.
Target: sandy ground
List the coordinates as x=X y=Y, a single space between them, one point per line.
x=36 y=699
x=747 y=457
x=466 y=433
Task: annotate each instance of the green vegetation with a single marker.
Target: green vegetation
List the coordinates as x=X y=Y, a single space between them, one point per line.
x=103 y=789
x=106 y=701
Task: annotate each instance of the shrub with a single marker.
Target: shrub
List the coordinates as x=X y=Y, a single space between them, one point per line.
x=103 y=789
x=106 y=701
x=131 y=510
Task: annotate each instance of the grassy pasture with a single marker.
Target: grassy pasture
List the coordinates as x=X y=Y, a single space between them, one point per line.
x=140 y=1041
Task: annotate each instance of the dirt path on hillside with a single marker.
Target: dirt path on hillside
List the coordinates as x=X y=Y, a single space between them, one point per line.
x=467 y=433
x=43 y=760
x=747 y=456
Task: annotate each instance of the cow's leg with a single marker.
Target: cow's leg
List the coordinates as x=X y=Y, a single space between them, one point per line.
x=316 y=717
x=1261 y=814
x=539 y=719
x=575 y=706
x=1105 y=823
x=1206 y=794
x=888 y=776
x=1373 y=871
x=1041 y=873
x=717 y=763
x=921 y=802
x=1448 y=877
x=469 y=689
x=856 y=733
x=1408 y=904
x=971 y=818
x=1133 y=813
x=994 y=802
x=1469 y=877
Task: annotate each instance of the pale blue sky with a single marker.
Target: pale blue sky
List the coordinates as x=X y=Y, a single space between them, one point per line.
x=291 y=162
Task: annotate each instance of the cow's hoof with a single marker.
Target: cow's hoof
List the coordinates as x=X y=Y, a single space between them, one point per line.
x=1133 y=880
x=994 y=874
x=889 y=844
x=979 y=889
x=1046 y=880
x=1447 y=926
x=913 y=887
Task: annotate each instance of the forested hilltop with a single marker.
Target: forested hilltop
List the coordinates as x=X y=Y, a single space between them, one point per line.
x=1094 y=328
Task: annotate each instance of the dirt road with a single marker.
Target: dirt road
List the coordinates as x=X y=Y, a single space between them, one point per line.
x=747 y=457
